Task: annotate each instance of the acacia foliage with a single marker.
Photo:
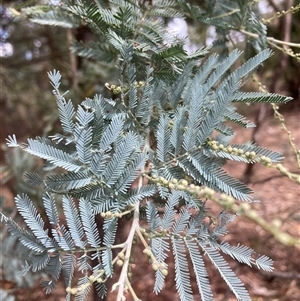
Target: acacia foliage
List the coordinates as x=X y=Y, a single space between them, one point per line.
x=155 y=153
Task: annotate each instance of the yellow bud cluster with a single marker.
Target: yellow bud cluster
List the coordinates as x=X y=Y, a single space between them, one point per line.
x=277 y=223
x=207 y=192
x=227 y=200
x=115 y=89
x=244 y=207
x=171 y=184
x=73 y=291
x=171 y=123
x=164 y=272
x=281 y=168
x=160 y=266
x=184 y=183
x=147 y=252
x=291 y=10
x=139 y=84
x=68 y=289
x=250 y=156
x=155 y=266
x=252 y=214
x=196 y=190
x=265 y=161
x=121 y=255
x=109 y=214
x=118 y=89
x=92 y=279
x=214 y=145
x=175 y=184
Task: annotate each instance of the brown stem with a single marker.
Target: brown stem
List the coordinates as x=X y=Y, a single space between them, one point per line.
x=260 y=116
x=73 y=62
x=275 y=5
x=286 y=24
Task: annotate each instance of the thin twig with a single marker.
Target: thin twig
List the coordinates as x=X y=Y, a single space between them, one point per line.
x=269 y=39
x=226 y=14
x=123 y=279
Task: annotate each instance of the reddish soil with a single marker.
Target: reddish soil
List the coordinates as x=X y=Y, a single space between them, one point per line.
x=279 y=203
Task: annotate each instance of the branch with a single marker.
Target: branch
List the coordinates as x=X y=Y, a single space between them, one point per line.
x=280 y=117
x=269 y=39
x=123 y=279
x=226 y=14
x=228 y=202
x=73 y=63
x=289 y=10
x=128 y=244
x=245 y=210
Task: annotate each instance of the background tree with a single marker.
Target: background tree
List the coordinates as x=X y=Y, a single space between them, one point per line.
x=161 y=70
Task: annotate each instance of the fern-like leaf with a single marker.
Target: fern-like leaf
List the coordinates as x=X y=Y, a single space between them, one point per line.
x=160 y=248
x=54 y=266
x=68 y=181
x=26 y=238
x=182 y=274
x=254 y=97
x=51 y=209
x=54 y=155
x=39 y=260
x=83 y=283
x=66 y=109
x=68 y=268
x=12 y=141
x=48 y=285
x=73 y=221
x=110 y=228
x=33 y=220
x=200 y=271
x=89 y=224
x=130 y=172
x=163 y=138
x=227 y=274
x=120 y=158
x=33 y=179
x=111 y=133
x=56 y=18
x=265 y=263
x=170 y=212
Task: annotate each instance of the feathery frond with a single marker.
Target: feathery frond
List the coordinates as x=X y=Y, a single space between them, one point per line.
x=73 y=221
x=200 y=271
x=52 y=154
x=182 y=275
x=144 y=154
x=33 y=219
x=225 y=271
x=68 y=181
x=89 y=224
x=12 y=141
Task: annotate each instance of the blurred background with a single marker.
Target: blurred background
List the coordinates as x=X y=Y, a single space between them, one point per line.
x=28 y=109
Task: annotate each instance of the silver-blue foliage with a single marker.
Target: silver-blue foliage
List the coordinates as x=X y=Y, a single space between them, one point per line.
x=139 y=155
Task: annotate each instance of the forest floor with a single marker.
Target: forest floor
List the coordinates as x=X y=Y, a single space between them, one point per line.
x=279 y=203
